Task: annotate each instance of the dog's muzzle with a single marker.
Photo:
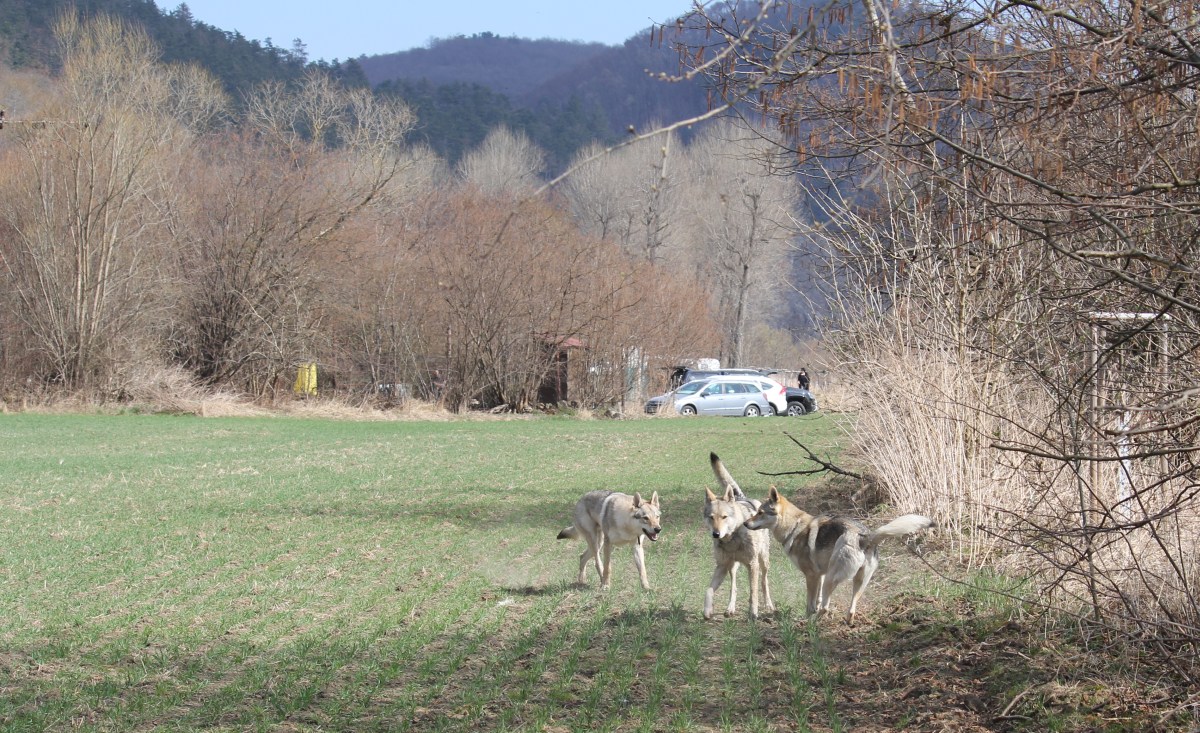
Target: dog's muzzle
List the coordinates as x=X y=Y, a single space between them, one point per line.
x=652 y=534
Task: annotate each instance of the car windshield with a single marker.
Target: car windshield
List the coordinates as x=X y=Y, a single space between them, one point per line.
x=689 y=388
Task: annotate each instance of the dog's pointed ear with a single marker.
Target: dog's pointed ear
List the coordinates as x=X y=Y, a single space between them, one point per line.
x=729 y=495
x=773 y=495
x=637 y=499
x=654 y=499
x=709 y=495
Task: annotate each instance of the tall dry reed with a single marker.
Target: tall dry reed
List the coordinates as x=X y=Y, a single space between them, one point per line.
x=1112 y=540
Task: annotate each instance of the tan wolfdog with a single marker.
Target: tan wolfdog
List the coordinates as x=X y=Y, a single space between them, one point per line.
x=830 y=549
x=608 y=518
x=734 y=544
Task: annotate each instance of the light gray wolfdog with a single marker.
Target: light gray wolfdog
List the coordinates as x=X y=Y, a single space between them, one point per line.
x=608 y=518
x=734 y=544
x=830 y=549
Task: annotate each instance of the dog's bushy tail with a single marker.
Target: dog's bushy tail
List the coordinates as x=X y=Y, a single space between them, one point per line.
x=569 y=533
x=909 y=524
x=725 y=479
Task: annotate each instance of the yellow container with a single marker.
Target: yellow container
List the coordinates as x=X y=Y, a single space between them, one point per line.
x=306 y=380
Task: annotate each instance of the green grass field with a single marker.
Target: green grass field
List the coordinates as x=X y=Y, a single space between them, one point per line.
x=179 y=573
x=162 y=572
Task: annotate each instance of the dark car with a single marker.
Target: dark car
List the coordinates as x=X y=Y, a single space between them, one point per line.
x=800 y=401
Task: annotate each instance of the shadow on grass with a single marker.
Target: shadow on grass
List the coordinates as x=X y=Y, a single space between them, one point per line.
x=553 y=589
x=564 y=660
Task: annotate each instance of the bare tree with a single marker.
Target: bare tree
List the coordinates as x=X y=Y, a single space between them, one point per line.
x=383 y=323
x=1025 y=216
x=743 y=217
x=521 y=289
x=268 y=204
x=632 y=196
x=505 y=163
x=88 y=198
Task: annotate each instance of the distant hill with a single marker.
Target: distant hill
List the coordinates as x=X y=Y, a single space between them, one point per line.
x=454 y=118
x=511 y=66
x=622 y=81
x=563 y=95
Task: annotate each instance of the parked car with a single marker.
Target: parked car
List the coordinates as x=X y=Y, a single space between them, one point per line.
x=667 y=400
x=750 y=396
x=776 y=391
x=800 y=401
x=682 y=375
x=776 y=394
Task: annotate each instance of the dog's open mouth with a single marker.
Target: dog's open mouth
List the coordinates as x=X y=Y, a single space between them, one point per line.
x=652 y=534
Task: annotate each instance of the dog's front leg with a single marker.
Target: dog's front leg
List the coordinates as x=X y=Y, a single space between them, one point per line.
x=717 y=577
x=639 y=559
x=732 y=607
x=764 y=573
x=755 y=579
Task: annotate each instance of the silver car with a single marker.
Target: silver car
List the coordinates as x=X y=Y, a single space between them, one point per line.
x=723 y=396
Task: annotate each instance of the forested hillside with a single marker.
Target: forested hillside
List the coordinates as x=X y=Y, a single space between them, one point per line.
x=624 y=82
x=554 y=91
x=27 y=40
x=455 y=117
x=563 y=95
x=511 y=66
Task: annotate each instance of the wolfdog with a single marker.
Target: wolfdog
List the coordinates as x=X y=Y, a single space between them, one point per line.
x=734 y=544
x=830 y=549
x=608 y=518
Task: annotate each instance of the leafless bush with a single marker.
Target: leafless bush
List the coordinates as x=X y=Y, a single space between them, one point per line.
x=1053 y=441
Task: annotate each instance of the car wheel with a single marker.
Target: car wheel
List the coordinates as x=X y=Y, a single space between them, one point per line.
x=796 y=408
x=687 y=410
x=752 y=410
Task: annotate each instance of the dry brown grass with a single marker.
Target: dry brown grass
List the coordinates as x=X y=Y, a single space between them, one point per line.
x=925 y=428
x=932 y=431
x=151 y=388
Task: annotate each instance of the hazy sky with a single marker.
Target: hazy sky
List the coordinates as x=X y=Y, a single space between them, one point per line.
x=349 y=28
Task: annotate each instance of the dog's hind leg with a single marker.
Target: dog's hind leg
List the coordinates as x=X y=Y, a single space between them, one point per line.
x=594 y=539
x=583 y=561
x=828 y=585
x=604 y=562
x=844 y=563
x=861 y=579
